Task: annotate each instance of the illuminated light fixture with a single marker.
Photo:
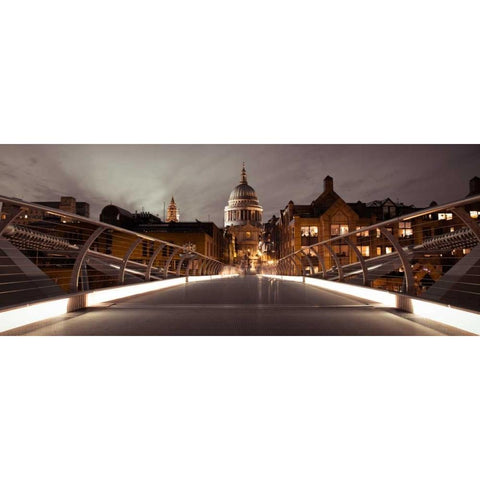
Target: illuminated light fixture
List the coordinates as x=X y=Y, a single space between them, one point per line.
x=100 y=296
x=465 y=320
x=379 y=296
x=454 y=317
x=108 y=294
x=26 y=315
x=21 y=316
x=210 y=277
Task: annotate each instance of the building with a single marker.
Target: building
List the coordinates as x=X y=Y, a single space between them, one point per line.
x=202 y=237
x=67 y=204
x=436 y=230
x=173 y=215
x=329 y=216
x=243 y=222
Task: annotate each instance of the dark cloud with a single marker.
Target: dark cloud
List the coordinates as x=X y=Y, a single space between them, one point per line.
x=202 y=176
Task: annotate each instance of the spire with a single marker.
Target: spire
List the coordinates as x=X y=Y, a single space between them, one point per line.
x=244 y=175
x=173 y=214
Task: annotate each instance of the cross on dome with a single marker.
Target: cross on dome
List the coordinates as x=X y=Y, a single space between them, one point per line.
x=243 y=179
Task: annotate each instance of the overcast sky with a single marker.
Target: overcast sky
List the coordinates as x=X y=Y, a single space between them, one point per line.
x=201 y=177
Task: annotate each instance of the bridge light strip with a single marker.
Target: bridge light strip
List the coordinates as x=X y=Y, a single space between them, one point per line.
x=21 y=316
x=101 y=296
x=466 y=320
x=17 y=317
x=210 y=277
x=379 y=296
x=454 y=317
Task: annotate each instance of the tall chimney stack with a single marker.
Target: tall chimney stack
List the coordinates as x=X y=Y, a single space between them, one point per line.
x=328 y=184
x=474 y=187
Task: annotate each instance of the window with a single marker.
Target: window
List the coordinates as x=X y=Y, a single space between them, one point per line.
x=363 y=234
x=379 y=251
x=379 y=233
x=405 y=229
x=309 y=231
x=338 y=229
x=389 y=210
x=309 y=235
x=341 y=250
x=365 y=251
x=248 y=234
x=474 y=214
x=388 y=250
x=445 y=216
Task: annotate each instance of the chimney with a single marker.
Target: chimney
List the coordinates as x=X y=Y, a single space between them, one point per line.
x=474 y=187
x=328 y=184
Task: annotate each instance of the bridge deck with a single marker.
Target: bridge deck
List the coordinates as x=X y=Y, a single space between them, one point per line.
x=237 y=306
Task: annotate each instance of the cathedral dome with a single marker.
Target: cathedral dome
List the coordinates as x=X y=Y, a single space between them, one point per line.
x=243 y=191
x=243 y=207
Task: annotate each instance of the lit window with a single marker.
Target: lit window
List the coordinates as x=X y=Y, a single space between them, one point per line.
x=249 y=234
x=311 y=231
x=405 y=229
x=445 y=216
x=365 y=251
x=379 y=251
x=379 y=233
x=4 y=216
x=474 y=214
x=388 y=250
x=337 y=229
x=363 y=234
x=452 y=229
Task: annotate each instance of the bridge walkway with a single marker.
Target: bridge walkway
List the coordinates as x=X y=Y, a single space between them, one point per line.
x=238 y=306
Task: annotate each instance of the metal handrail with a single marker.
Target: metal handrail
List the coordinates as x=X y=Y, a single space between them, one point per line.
x=89 y=232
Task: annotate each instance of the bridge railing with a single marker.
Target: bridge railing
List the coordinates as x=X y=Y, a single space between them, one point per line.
x=46 y=253
x=432 y=253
